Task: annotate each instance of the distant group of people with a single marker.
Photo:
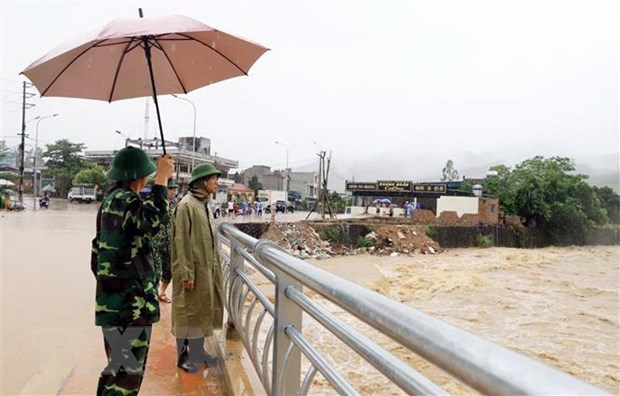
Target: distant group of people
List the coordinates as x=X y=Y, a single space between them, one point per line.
x=140 y=247
x=386 y=209
x=409 y=208
x=245 y=209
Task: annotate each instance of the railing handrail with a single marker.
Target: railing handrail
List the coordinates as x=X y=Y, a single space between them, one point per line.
x=483 y=365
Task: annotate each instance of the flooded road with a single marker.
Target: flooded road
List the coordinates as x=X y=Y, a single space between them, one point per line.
x=557 y=305
x=47 y=295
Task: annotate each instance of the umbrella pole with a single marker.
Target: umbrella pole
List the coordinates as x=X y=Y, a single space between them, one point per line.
x=147 y=52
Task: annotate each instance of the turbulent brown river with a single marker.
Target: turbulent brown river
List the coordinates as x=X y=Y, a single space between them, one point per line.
x=560 y=306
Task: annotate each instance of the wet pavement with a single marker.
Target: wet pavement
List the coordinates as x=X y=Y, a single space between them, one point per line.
x=162 y=377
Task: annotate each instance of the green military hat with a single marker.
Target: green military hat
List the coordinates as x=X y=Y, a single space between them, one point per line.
x=204 y=170
x=172 y=184
x=130 y=163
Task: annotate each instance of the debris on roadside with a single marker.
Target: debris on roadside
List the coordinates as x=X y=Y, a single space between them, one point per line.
x=301 y=240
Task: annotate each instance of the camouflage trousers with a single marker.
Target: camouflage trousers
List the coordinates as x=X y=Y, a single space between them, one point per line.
x=126 y=349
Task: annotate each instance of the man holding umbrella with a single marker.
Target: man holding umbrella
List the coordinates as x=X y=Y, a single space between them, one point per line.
x=126 y=292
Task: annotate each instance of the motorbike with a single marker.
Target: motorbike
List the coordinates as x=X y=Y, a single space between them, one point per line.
x=44 y=202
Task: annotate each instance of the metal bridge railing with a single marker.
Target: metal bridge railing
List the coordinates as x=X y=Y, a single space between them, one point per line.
x=273 y=334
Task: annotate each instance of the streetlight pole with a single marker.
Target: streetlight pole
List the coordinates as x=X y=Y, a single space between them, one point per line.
x=194 y=139
x=126 y=137
x=34 y=160
x=287 y=179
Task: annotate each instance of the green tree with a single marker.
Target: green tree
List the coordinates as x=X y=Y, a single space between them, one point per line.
x=546 y=192
x=91 y=174
x=497 y=186
x=338 y=203
x=64 y=160
x=610 y=201
x=466 y=186
x=448 y=173
x=238 y=178
x=255 y=184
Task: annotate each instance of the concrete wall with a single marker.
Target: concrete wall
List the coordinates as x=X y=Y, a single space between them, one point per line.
x=450 y=237
x=460 y=205
x=372 y=210
x=488 y=210
x=354 y=210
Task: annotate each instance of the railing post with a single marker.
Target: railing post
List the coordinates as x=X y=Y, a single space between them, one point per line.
x=286 y=374
x=236 y=265
x=287 y=314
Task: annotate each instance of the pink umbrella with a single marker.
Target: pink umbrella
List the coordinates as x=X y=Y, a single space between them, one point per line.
x=137 y=57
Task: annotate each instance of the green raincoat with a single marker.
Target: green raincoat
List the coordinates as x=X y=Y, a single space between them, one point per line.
x=195 y=313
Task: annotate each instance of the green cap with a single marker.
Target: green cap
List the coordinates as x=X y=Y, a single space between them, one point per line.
x=130 y=163
x=204 y=170
x=172 y=184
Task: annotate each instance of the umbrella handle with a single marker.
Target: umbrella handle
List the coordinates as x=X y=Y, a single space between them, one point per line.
x=147 y=52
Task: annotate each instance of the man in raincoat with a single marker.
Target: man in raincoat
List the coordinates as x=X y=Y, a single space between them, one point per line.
x=197 y=286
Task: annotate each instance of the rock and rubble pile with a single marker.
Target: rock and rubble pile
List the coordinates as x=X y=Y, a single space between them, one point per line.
x=402 y=239
x=301 y=240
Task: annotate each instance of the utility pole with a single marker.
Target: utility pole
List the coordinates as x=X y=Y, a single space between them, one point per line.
x=319 y=201
x=22 y=146
x=325 y=193
x=322 y=196
x=287 y=177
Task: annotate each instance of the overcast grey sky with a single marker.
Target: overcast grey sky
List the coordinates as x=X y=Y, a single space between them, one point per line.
x=379 y=83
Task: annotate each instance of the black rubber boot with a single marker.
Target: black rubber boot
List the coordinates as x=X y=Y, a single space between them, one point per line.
x=183 y=361
x=198 y=354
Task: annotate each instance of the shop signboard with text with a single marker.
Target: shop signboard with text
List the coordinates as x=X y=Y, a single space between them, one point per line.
x=361 y=186
x=430 y=188
x=394 y=185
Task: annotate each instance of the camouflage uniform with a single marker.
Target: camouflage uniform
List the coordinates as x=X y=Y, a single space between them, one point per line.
x=161 y=251
x=126 y=295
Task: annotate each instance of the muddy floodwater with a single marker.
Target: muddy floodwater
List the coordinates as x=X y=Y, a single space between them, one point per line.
x=558 y=305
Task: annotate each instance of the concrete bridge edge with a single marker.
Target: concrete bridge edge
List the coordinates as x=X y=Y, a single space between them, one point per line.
x=235 y=364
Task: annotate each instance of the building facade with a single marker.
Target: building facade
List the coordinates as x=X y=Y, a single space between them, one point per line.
x=269 y=180
x=182 y=151
x=304 y=183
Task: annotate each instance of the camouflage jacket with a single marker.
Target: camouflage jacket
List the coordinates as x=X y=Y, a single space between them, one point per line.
x=121 y=257
x=161 y=250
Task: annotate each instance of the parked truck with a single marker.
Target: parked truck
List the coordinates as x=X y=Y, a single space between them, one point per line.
x=82 y=193
x=269 y=197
